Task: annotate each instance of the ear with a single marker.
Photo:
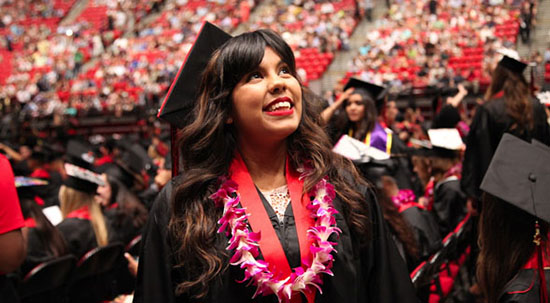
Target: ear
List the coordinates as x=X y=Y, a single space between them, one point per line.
x=229 y=120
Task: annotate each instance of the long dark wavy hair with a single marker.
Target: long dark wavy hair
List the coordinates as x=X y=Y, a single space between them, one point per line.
x=366 y=125
x=506 y=244
x=128 y=203
x=208 y=144
x=516 y=95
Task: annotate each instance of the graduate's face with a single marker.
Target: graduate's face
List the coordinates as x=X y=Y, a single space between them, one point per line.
x=103 y=192
x=267 y=103
x=355 y=108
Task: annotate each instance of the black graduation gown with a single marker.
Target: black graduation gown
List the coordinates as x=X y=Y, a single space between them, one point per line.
x=36 y=251
x=488 y=125
x=524 y=287
x=449 y=204
x=79 y=235
x=120 y=226
x=425 y=229
x=373 y=274
x=398 y=167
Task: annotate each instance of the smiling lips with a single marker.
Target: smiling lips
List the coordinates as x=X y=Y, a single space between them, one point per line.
x=280 y=107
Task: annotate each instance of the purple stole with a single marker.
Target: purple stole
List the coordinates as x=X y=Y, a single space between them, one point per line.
x=378 y=138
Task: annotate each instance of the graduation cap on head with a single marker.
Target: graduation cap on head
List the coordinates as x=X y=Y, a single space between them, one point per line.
x=82 y=179
x=183 y=91
x=128 y=168
x=443 y=143
x=80 y=153
x=512 y=64
x=375 y=91
x=27 y=186
x=520 y=175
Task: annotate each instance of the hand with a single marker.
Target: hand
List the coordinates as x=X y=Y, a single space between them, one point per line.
x=132 y=264
x=343 y=96
x=470 y=206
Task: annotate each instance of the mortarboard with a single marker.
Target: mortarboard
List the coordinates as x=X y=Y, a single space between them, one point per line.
x=512 y=64
x=183 y=92
x=520 y=175
x=375 y=91
x=127 y=168
x=82 y=179
x=80 y=153
x=27 y=186
x=443 y=143
x=358 y=151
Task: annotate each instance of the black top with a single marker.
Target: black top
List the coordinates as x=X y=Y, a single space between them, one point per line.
x=449 y=205
x=524 y=287
x=425 y=229
x=79 y=235
x=489 y=124
x=372 y=274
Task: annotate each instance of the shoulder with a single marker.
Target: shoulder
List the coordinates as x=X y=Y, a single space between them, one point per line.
x=522 y=288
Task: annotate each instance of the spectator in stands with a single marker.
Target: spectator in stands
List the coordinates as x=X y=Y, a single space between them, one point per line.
x=12 y=242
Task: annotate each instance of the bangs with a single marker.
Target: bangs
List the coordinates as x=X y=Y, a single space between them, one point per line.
x=243 y=54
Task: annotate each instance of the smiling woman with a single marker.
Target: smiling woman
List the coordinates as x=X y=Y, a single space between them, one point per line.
x=263 y=199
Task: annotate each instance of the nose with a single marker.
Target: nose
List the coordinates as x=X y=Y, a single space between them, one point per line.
x=276 y=84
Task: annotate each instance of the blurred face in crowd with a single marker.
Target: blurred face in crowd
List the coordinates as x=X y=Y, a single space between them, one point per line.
x=267 y=103
x=25 y=151
x=104 y=192
x=163 y=174
x=391 y=111
x=355 y=108
x=421 y=166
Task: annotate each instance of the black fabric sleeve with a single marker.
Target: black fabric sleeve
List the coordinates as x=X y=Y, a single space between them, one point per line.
x=388 y=278
x=478 y=153
x=154 y=280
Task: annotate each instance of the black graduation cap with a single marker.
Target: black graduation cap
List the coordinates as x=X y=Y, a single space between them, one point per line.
x=512 y=64
x=183 y=91
x=375 y=91
x=520 y=175
x=138 y=150
x=80 y=153
x=82 y=179
x=128 y=168
x=27 y=186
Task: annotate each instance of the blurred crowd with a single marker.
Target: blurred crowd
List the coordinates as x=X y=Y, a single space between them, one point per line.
x=420 y=44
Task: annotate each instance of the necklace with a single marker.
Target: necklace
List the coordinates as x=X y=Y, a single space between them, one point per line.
x=245 y=243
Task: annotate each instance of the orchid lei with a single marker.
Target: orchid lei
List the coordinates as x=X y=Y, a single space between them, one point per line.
x=245 y=243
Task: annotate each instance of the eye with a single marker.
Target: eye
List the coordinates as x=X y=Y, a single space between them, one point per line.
x=254 y=75
x=284 y=70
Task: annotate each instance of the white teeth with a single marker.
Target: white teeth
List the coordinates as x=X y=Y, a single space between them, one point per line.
x=276 y=106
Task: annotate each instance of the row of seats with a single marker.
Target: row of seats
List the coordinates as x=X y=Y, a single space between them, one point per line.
x=435 y=278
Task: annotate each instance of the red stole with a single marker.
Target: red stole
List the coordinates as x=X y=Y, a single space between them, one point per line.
x=81 y=213
x=30 y=223
x=259 y=221
x=538 y=261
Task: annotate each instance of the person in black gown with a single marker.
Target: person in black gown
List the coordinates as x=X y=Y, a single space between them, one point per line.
x=514 y=258
x=362 y=101
x=252 y=124
x=83 y=226
x=509 y=108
